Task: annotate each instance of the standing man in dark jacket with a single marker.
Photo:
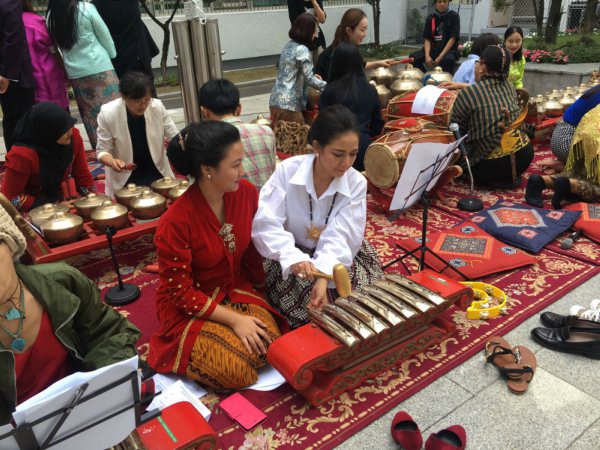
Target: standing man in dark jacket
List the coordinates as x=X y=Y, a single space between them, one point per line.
x=16 y=74
x=135 y=47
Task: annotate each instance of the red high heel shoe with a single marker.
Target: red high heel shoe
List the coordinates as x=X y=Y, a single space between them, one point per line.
x=451 y=438
x=405 y=432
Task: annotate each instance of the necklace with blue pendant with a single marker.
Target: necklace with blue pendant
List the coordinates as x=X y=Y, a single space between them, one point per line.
x=17 y=344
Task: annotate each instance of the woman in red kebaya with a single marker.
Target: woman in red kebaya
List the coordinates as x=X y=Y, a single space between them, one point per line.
x=215 y=326
x=47 y=162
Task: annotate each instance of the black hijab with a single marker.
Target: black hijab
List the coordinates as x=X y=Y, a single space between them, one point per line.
x=39 y=129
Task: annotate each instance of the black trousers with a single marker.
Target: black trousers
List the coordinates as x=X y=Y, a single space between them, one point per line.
x=499 y=171
x=447 y=63
x=15 y=102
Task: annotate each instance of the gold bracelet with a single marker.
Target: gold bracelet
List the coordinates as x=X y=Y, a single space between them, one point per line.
x=481 y=307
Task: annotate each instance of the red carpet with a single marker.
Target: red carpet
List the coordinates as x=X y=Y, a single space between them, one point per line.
x=292 y=423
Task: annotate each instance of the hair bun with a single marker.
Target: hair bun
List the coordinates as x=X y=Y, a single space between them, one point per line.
x=178 y=155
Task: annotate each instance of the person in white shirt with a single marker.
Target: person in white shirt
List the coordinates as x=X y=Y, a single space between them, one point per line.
x=312 y=215
x=131 y=135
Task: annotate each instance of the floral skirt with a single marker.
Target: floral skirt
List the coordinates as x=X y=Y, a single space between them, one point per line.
x=91 y=93
x=220 y=360
x=290 y=297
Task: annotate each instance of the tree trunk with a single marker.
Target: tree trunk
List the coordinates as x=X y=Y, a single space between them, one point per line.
x=538 y=8
x=553 y=22
x=166 y=34
x=589 y=20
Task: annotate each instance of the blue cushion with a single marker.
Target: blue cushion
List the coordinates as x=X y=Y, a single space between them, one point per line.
x=524 y=226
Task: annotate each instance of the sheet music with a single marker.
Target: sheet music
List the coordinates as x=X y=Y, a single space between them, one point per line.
x=418 y=170
x=269 y=378
x=453 y=147
x=8 y=443
x=425 y=100
x=162 y=382
x=178 y=392
x=61 y=394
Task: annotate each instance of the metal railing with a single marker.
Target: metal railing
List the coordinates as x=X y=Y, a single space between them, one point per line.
x=522 y=13
x=162 y=7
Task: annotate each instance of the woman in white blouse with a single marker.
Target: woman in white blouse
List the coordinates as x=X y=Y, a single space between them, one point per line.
x=131 y=134
x=312 y=215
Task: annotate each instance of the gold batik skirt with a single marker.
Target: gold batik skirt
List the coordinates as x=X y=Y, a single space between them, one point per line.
x=219 y=359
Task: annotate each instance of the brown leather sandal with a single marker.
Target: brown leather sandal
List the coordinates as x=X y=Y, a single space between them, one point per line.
x=516 y=364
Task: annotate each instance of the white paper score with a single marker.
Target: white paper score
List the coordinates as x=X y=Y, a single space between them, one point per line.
x=425 y=100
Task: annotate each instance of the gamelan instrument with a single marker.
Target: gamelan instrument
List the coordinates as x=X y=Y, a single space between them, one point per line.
x=401 y=106
x=385 y=157
x=370 y=331
x=409 y=125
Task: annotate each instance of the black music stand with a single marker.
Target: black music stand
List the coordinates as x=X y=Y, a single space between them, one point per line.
x=25 y=437
x=425 y=180
x=123 y=293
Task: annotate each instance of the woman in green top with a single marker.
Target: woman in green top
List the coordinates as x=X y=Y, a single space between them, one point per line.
x=513 y=41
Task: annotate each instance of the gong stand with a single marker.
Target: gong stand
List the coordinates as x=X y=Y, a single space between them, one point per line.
x=123 y=293
x=424 y=182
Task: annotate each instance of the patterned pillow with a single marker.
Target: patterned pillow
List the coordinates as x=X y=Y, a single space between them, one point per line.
x=470 y=250
x=589 y=221
x=524 y=226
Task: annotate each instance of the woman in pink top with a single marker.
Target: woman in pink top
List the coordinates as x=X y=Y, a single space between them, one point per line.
x=50 y=78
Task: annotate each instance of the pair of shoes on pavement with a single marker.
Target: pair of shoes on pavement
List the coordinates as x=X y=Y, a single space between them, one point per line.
x=570 y=334
x=407 y=435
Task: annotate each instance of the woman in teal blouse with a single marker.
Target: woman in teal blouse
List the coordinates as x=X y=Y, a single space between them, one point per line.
x=513 y=41
x=87 y=48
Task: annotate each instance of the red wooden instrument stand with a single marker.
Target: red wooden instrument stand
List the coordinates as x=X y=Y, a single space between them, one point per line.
x=92 y=239
x=320 y=367
x=180 y=426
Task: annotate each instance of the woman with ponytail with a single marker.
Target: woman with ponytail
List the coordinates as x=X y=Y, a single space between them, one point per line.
x=215 y=327
x=483 y=111
x=352 y=30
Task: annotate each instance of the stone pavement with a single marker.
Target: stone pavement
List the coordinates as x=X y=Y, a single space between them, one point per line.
x=561 y=409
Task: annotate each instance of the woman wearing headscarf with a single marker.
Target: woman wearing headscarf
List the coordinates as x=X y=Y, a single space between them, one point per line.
x=485 y=110
x=52 y=323
x=47 y=163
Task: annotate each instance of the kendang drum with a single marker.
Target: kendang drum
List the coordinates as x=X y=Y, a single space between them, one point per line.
x=408 y=125
x=385 y=158
x=400 y=107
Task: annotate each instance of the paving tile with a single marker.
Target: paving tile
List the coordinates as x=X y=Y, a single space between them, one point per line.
x=426 y=407
x=576 y=370
x=550 y=415
x=589 y=439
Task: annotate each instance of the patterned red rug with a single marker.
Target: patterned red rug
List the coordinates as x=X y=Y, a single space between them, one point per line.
x=293 y=423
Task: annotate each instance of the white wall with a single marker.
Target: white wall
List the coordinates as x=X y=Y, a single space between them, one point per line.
x=262 y=33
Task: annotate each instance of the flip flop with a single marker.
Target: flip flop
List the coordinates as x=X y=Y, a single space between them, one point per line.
x=527 y=361
x=516 y=364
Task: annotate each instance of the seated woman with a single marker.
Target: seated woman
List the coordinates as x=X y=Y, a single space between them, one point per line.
x=560 y=144
x=289 y=94
x=47 y=163
x=351 y=30
x=348 y=86
x=479 y=111
x=581 y=176
x=312 y=215
x=215 y=326
x=513 y=41
x=132 y=129
x=465 y=74
x=52 y=323
x=440 y=33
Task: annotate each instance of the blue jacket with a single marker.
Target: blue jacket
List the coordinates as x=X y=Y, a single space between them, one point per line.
x=94 y=48
x=466 y=72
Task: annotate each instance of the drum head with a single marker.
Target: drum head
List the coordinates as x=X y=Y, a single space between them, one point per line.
x=381 y=165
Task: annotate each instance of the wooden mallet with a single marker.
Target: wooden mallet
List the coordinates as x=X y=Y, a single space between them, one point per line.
x=340 y=278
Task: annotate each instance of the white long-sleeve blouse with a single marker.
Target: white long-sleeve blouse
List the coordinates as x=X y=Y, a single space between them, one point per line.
x=283 y=216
